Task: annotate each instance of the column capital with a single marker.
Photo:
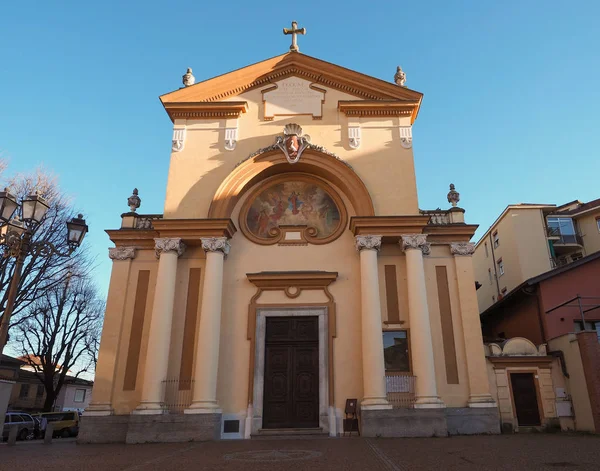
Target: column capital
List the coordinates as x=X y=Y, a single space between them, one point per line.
x=166 y=245
x=121 y=253
x=416 y=242
x=462 y=248
x=216 y=244
x=368 y=242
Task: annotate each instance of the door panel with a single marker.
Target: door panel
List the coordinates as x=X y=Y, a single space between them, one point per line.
x=525 y=398
x=291 y=392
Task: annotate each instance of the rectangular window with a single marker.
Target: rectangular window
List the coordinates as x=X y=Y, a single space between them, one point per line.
x=486 y=250
x=40 y=390
x=500 y=267
x=598 y=224
x=24 y=392
x=496 y=238
x=395 y=351
x=504 y=290
x=490 y=275
x=79 y=395
x=563 y=228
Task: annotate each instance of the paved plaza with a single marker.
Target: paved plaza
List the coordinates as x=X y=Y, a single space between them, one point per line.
x=524 y=452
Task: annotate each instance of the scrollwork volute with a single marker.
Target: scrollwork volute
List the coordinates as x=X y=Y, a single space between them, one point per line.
x=368 y=242
x=462 y=248
x=416 y=242
x=121 y=253
x=166 y=245
x=216 y=244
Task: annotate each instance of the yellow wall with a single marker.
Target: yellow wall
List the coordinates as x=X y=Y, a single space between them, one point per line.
x=576 y=384
x=386 y=168
x=588 y=227
x=523 y=249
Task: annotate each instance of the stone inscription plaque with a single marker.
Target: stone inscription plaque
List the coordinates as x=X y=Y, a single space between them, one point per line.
x=293 y=96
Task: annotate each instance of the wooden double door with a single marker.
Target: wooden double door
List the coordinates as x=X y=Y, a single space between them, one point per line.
x=291 y=389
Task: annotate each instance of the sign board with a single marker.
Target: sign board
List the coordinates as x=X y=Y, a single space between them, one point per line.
x=293 y=96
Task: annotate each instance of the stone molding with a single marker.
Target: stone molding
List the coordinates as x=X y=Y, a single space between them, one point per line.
x=416 y=241
x=462 y=248
x=121 y=253
x=165 y=245
x=216 y=244
x=368 y=242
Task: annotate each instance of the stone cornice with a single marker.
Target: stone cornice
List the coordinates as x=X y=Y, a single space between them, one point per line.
x=140 y=239
x=390 y=227
x=367 y=242
x=216 y=244
x=191 y=230
x=297 y=279
x=450 y=233
x=166 y=245
x=206 y=110
x=121 y=253
x=378 y=108
x=462 y=248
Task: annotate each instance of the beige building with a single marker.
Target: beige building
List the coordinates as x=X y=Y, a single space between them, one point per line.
x=529 y=239
x=292 y=273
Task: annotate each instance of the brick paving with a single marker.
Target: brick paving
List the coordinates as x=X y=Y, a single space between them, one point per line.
x=506 y=452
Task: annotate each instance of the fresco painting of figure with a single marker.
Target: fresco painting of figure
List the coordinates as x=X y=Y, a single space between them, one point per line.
x=294 y=203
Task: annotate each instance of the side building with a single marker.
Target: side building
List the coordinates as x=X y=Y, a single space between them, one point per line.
x=527 y=240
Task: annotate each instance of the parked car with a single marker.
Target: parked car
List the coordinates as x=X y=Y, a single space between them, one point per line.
x=25 y=422
x=66 y=424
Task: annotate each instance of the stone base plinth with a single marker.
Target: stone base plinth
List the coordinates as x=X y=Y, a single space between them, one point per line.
x=403 y=423
x=473 y=421
x=173 y=428
x=103 y=429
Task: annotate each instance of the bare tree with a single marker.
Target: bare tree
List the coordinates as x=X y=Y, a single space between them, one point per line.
x=41 y=273
x=58 y=333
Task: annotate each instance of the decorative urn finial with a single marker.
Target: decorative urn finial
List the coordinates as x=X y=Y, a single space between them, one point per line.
x=188 y=79
x=453 y=196
x=400 y=77
x=134 y=201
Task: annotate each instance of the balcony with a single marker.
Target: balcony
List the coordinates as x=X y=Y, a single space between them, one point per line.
x=400 y=390
x=558 y=238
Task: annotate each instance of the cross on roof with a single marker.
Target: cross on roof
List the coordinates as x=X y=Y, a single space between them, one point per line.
x=294 y=31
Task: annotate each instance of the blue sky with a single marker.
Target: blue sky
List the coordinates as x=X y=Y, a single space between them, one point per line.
x=509 y=114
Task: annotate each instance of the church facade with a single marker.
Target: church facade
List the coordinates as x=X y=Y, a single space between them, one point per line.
x=292 y=273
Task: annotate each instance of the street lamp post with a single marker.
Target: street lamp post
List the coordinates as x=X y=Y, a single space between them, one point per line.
x=17 y=241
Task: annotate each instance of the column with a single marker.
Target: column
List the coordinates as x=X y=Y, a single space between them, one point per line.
x=374 y=390
x=421 y=344
x=206 y=363
x=101 y=403
x=479 y=388
x=159 y=338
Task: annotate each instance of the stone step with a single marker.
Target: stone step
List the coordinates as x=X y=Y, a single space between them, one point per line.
x=284 y=433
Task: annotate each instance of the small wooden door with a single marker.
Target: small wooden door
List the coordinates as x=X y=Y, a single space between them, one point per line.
x=525 y=398
x=291 y=392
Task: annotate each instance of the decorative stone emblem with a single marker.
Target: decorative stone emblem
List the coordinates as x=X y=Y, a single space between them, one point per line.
x=178 y=140
x=368 y=242
x=168 y=245
x=416 y=241
x=121 y=253
x=293 y=143
x=453 y=196
x=216 y=244
x=400 y=77
x=231 y=136
x=188 y=79
x=406 y=136
x=134 y=201
x=462 y=248
x=354 y=137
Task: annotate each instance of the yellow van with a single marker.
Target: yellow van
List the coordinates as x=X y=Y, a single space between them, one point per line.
x=66 y=424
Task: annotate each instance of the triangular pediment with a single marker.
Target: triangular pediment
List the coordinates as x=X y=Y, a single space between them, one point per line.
x=318 y=72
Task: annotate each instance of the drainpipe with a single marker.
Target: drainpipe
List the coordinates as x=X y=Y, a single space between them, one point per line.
x=494 y=260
